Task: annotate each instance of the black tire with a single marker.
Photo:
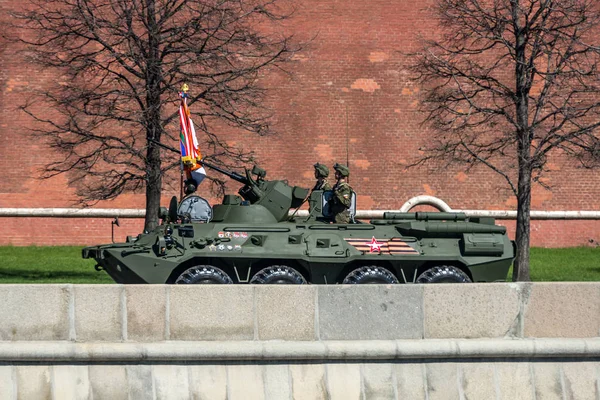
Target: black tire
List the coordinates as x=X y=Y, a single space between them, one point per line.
x=371 y=274
x=203 y=274
x=278 y=274
x=443 y=274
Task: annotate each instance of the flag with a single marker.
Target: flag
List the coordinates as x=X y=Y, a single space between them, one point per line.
x=190 y=153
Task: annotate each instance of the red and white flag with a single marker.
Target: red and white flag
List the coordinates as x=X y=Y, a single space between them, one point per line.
x=190 y=153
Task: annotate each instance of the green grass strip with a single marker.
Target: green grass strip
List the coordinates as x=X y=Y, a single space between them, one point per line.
x=52 y=264
x=63 y=264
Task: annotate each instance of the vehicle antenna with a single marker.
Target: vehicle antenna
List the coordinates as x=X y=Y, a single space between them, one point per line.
x=347 y=143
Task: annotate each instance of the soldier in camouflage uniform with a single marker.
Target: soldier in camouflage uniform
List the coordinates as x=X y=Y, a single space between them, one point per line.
x=342 y=195
x=321 y=174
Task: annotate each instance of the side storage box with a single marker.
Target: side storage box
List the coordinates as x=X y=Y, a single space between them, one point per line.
x=482 y=244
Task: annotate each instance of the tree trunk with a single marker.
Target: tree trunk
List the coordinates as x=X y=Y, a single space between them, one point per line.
x=153 y=123
x=524 y=137
x=153 y=187
x=521 y=264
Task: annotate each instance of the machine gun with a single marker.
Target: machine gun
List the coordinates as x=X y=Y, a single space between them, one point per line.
x=233 y=175
x=266 y=201
x=253 y=189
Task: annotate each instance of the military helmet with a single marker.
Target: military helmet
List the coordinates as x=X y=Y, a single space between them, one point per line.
x=322 y=170
x=189 y=186
x=342 y=169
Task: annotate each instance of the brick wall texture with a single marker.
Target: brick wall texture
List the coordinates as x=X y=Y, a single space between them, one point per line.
x=350 y=84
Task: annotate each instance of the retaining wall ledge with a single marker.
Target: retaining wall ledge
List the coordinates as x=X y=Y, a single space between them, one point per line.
x=298 y=350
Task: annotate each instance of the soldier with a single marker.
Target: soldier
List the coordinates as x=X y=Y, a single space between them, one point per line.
x=342 y=195
x=321 y=174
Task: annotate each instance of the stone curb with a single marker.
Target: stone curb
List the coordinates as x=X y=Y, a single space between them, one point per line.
x=296 y=350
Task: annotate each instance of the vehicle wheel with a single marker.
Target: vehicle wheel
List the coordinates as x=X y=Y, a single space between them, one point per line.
x=206 y=274
x=278 y=274
x=371 y=274
x=443 y=274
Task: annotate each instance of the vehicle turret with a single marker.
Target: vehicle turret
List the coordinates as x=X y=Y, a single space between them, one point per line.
x=263 y=201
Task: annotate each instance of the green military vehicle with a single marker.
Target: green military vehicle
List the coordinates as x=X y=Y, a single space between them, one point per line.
x=252 y=238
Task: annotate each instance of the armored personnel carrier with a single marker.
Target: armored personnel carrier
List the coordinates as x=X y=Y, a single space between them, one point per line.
x=252 y=238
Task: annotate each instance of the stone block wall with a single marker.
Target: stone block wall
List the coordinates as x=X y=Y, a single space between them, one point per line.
x=471 y=341
x=152 y=313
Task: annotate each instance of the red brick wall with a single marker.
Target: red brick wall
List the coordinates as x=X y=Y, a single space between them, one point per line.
x=350 y=82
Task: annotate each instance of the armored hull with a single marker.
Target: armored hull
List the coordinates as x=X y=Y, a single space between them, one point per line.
x=320 y=253
x=257 y=242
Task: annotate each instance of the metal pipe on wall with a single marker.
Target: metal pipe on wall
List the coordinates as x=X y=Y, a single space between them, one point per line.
x=360 y=214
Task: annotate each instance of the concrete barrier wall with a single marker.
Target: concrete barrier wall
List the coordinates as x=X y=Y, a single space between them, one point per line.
x=470 y=341
x=147 y=313
x=344 y=381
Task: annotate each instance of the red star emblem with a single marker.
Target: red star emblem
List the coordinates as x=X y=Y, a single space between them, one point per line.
x=375 y=247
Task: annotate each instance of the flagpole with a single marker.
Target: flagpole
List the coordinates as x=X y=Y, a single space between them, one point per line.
x=184 y=89
x=180 y=180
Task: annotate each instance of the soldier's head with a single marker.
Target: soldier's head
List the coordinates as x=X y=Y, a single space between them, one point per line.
x=189 y=186
x=321 y=171
x=341 y=171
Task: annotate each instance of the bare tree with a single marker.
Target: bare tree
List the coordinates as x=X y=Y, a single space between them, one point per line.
x=120 y=64
x=508 y=84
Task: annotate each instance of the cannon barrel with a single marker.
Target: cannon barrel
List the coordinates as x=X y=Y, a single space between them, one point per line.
x=233 y=175
x=426 y=216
